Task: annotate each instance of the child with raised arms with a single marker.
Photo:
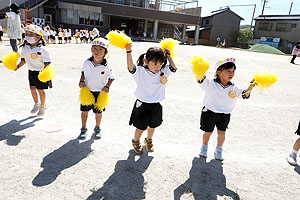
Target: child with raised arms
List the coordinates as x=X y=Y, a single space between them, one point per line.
x=220 y=99
x=37 y=58
x=150 y=75
x=97 y=75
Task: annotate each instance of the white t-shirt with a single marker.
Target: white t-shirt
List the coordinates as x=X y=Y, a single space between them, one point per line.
x=96 y=77
x=35 y=57
x=218 y=98
x=46 y=33
x=151 y=86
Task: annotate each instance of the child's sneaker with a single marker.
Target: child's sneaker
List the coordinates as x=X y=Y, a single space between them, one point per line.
x=137 y=147
x=41 y=111
x=219 y=154
x=149 y=145
x=83 y=133
x=203 y=152
x=97 y=132
x=292 y=159
x=35 y=108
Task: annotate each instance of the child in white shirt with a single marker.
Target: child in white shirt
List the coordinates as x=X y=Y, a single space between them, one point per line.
x=97 y=76
x=150 y=75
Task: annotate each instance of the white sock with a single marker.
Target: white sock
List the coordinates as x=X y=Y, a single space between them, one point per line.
x=294 y=152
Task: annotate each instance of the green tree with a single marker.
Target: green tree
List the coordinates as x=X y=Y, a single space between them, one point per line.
x=245 y=35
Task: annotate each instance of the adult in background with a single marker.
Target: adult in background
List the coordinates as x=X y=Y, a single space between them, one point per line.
x=14 y=25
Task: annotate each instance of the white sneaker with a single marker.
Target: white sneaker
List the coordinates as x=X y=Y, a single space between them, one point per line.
x=41 y=111
x=219 y=154
x=292 y=159
x=35 y=108
x=203 y=152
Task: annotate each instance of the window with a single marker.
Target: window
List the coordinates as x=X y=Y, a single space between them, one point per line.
x=133 y=2
x=150 y=27
x=141 y=26
x=293 y=25
x=118 y=1
x=69 y=16
x=81 y=17
x=92 y=18
x=207 y=21
x=283 y=27
x=87 y=18
x=263 y=26
x=165 y=33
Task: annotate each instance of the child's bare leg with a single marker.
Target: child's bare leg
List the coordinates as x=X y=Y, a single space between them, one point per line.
x=42 y=97
x=98 y=119
x=150 y=132
x=138 y=133
x=206 y=137
x=84 y=116
x=34 y=94
x=297 y=145
x=221 y=137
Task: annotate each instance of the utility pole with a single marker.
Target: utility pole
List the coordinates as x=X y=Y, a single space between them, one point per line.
x=253 y=16
x=291 y=8
x=262 y=12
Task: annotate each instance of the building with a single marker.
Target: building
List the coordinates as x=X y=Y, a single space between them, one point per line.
x=285 y=27
x=223 y=24
x=158 y=18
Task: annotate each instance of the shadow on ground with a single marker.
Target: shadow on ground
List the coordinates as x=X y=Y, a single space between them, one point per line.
x=206 y=181
x=66 y=156
x=127 y=182
x=7 y=130
x=297 y=169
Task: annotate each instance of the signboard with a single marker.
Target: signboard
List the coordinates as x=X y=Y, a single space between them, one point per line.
x=273 y=42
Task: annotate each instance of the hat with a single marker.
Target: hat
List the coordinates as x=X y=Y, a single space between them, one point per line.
x=223 y=61
x=101 y=42
x=14 y=7
x=35 y=29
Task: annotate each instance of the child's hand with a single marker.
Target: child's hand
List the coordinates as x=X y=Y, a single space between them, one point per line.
x=128 y=47
x=253 y=82
x=105 y=89
x=81 y=84
x=167 y=51
x=16 y=68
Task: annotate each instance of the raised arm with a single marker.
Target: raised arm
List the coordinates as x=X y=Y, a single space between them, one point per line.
x=22 y=62
x=170 y=59
x=130 y=64
x=247 y=92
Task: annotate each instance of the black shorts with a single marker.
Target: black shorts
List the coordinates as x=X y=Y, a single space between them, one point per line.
x=146 y=114
x=1 y=33
x=298 y=130
x=65 y=38
x=69 y=38
x=90 y=107
x=34 y=81
x=52 y=37
x=210 y=119
x=23 y=35
x=59 y=38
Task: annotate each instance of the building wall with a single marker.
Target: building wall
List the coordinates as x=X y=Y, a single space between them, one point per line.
x=225 y=25
x=291 y=36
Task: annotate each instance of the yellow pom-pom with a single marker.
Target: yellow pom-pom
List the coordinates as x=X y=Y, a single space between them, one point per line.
x=86 y=97
x=47 y=74
x=102 y=101
x=10 y=60
x=200 y=66
x=171 y=44
x=265 y=79
x=118 y=39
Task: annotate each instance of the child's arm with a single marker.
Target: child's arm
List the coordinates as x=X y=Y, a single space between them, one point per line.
x=22 y=62
x=170 y=59
x=81 y=81
x=130 y=64
x=246 y=93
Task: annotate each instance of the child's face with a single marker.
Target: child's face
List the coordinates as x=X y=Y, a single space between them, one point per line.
x=98 y=52
x=154 y=66
x=226 y=74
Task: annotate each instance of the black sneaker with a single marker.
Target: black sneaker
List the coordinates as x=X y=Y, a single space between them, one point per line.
x=83 y=133
x=97 y=132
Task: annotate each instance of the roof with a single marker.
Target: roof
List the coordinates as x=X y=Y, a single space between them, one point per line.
x=278 y=17
x=217 y=12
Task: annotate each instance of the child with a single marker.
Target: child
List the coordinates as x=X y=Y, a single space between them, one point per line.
x=292 y=157
x=37 y=58
x=219 y=101
x=1 y=33
x=295 y=52
x=97 y=76
x=60 y=35
x=150 y=75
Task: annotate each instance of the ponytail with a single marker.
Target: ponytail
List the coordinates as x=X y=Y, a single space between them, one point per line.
x=140 y=61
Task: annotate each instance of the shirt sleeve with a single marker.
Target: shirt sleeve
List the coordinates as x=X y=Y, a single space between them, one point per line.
x=46 y=56
x=83 y=66
x=23 y=52
x=204 y=83
x=111 y=74
x=12 y=15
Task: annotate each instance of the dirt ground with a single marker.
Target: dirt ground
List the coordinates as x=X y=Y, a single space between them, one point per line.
x=37 y=163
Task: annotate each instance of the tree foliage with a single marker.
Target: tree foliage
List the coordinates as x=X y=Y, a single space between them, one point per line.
x=245 y=35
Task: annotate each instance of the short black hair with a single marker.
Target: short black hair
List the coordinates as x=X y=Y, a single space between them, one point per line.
x=15 y=8
x=225 y=66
